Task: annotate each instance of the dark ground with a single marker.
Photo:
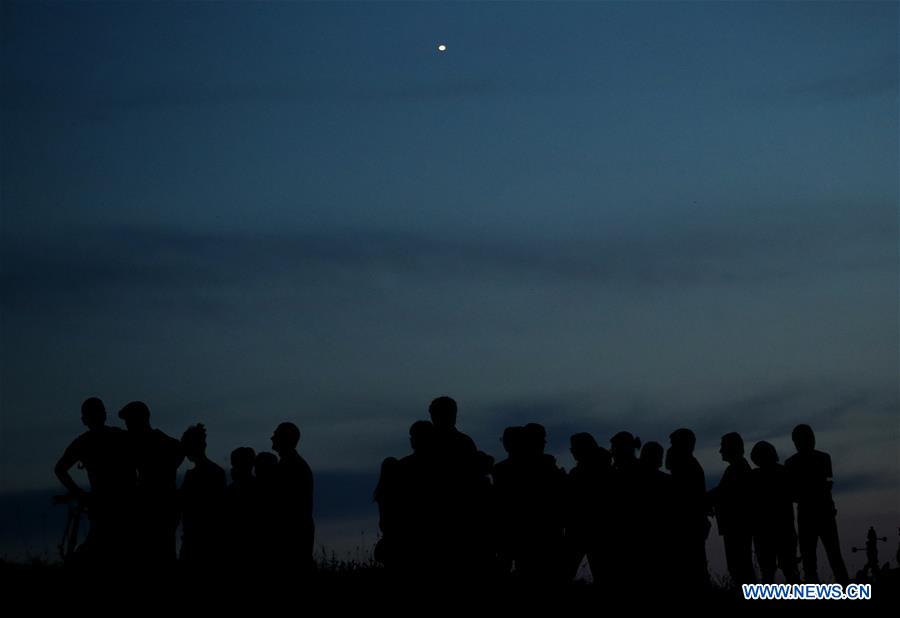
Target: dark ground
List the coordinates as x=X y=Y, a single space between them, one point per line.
x=342 y=588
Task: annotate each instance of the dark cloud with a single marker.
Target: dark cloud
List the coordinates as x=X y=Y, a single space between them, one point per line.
x=877 y=79
x=771 y=413
x=864 y=481
x=117 y=259
x=26 y=95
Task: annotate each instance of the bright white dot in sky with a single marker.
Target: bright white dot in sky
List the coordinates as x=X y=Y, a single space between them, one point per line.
x=442 y=47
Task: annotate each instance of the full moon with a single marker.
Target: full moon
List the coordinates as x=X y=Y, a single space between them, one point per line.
x=442 y=47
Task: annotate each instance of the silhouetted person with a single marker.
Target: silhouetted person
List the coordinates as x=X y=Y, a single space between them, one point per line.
x=295 y=500
x=242 y=510
x=460 y=495
x=812 y=479
x=652 y=455
x=733 y=503
x=103 y=452
x=448 y=440
x=530 y=489
x=655 y=517
x=269 y=514
x=480 y=549
x=409 y=499
x=586 y=521
x=872 y=569
x=388 y=497
x=774 y=536
x=158 y=457
x=265 y=467
x=626 y=505
x=688 y=512
x=508 y=491
x=202 y=504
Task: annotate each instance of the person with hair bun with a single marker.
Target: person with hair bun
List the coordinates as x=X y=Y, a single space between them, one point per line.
x=201 y=501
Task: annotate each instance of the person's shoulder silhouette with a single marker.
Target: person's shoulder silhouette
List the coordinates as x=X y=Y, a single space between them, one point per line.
x=284 y=442
x=242 y=460
x=265 y=466
x=205 y=474
x=448 y=440
x=293 y=501
x=105 y=455
x=202 y=494
x=102 y=450
x=158 y=455
x=809 y=469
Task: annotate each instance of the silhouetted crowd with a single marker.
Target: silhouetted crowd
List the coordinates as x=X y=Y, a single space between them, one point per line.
x=449 y=512
x=263 y=517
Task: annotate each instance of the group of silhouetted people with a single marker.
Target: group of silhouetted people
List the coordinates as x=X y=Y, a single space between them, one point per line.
x=448 y=512
x=263 y=517
x=754 y=509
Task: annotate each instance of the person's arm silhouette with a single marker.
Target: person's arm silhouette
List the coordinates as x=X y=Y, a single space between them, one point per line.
x=69 y=458
x=829 y=475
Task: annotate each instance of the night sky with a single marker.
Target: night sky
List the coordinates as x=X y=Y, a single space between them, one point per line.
x=598 y=216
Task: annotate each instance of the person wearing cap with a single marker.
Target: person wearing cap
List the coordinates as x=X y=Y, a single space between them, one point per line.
x=158 y=457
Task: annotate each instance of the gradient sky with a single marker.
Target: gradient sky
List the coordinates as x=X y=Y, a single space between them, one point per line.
x=598 y=216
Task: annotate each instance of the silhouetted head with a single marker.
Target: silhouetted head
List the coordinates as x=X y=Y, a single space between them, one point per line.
x=763 y=454
x=683 y=439
x=623 y=447
x=652 y=455
x=421 y=437
x=93 y=413
x=534 y=438
x=681 y=449
x=804 y=438
x=583 y=446
x=266 y=465
x=388 y=465
x=732 y=448
x=443 y=412
x=285 y=438
x=193 y=440
x=513 y=438
x=242 y=460
x=388 y=470
x=136 y=416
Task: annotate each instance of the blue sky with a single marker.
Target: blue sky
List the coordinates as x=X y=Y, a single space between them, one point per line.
x=600 y=216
